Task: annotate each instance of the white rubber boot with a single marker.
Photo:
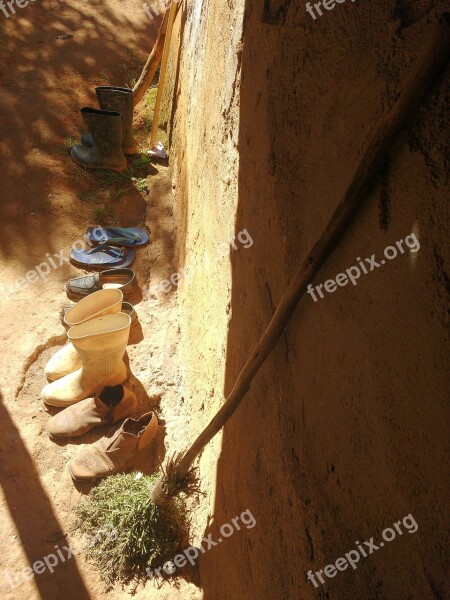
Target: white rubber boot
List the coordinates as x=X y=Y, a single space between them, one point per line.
x=100 y=344
x=103 y=302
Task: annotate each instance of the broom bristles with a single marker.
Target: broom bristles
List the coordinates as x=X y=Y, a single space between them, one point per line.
x=170 y=483
x=146 y=535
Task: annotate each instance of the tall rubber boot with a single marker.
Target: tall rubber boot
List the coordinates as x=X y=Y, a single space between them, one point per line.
x=100 y=344
x=120 y=100
x=106 y=153
x=103 y=302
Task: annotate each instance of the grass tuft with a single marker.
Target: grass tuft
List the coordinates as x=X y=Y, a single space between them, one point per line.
x=87 y=196
x=147 y=535
x=66 y=145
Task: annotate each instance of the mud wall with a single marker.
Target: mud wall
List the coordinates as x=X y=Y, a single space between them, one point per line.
x=342 y=434
x=201 y=116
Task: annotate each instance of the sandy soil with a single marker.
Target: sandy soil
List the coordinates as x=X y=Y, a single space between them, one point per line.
x=45 y=204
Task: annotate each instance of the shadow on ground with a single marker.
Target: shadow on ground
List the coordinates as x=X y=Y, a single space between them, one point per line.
x=37 y=526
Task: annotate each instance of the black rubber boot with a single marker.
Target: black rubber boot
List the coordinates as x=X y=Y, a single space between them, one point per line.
x=119 y=100
x=106 y=151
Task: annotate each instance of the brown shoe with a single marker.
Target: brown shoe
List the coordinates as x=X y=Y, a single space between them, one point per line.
x=111 y=405
x=112 y=452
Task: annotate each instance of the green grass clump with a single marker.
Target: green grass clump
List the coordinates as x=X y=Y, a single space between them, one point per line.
x=147 y=535
x=106 y=178
x=99 y=213
x=87 y=196
x=66 y=145
x=149 y=107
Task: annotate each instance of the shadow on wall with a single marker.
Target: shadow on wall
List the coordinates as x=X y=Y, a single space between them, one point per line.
x=335 y=441
x=44 y=81
x=35 y=522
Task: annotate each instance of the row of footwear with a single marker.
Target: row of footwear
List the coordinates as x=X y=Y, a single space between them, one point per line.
x=117 y=277
x=86 y=379
x=86 y=376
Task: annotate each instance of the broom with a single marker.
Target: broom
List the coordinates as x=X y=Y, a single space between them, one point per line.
x=179 y=474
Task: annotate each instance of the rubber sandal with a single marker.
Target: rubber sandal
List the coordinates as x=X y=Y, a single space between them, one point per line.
x=123 y=279
x=101 y=257
x=118 y=236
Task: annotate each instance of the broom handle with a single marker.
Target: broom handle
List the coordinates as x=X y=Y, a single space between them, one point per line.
x=162 y=75
x=426 y=72
x=150 y=67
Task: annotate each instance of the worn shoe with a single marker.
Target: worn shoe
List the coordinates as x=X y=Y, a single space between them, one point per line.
x=113 y=452
x=122 y=279
x=112 y=405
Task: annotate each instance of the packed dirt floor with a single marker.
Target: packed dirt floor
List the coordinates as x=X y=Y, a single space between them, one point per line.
x=46 y=204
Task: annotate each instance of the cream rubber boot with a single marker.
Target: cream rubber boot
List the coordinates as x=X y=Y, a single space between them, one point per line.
x=100 y=344
x=113 y=452
x=113 y=404
x=103 y=302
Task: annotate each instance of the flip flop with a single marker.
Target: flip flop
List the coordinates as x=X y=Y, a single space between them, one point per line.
x=117 y=236
x=123 y=279
x=102 y=256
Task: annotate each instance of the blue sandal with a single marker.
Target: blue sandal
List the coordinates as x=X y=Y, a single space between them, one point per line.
x=117 y=236
x=102 y=257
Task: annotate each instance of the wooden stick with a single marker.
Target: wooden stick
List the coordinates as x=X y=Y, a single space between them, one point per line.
x=429 y=66
x=162 y=76
x=153 y=60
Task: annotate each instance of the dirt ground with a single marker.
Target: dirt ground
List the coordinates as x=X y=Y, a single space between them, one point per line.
x=45 y=204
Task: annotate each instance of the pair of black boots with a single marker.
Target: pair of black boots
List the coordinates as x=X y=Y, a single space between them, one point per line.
x=111 y=131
